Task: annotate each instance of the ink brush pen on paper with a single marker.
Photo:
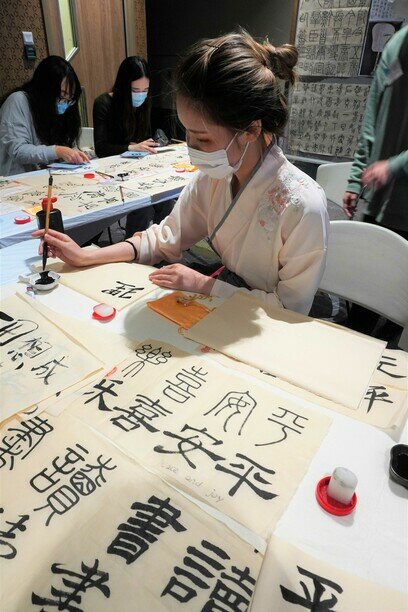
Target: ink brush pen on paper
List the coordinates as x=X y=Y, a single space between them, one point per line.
x=47 y=221
x=121 y=193
x=104 y=174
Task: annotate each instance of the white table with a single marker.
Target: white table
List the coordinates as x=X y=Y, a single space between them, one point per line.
x=371 y=542
x=80 y=227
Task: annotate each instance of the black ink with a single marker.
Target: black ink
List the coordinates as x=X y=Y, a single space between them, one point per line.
x=76 y=584
x=376 y=393
x=191 y=444
x=139 y=414
x=47 y=370
x=181 y=391
x=10 y=535
x=235 y=403
x=105 y=386
x=203 y=564
x=314 y=602
x=243 y=478
x=389 y=362
x=21 y=441
x=123 y=290
x=143 y=529
x=285 y=427
x=225 y=597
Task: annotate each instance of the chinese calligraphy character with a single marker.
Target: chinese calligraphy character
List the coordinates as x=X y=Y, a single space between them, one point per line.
x=21 y=441
x=293 y=424
x=75 y=584
x=181 y=391
x=105 y=387
x=235 y=403
x=140 y=413
x=243 y=478
x=123 y=290
x=10 y=535
x=191 y=444
x=314 y=602
x=47 y=370
x=141 y=530
x=376 y=393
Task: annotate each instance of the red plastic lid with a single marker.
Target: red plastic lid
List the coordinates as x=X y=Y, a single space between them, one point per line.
x=44 y=203
x=89 y=175
x=332 y=505
x=103 y=312
x=22 y=220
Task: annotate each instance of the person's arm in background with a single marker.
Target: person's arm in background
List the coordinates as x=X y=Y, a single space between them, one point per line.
x=365 y=143
x=101 y=112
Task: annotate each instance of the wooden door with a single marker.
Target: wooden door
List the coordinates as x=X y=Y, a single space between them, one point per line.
x=95 y=47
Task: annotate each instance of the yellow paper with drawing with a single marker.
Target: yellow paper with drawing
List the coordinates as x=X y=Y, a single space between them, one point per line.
x=93 y=528
x=231 y=442
x=319 y=357
x=38 y=360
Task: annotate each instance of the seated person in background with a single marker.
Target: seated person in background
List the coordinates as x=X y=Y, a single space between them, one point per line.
x=121 y=121
x=40 y=123
x=265 y=218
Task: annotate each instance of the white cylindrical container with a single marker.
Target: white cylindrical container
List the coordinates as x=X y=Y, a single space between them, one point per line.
x=342 y=485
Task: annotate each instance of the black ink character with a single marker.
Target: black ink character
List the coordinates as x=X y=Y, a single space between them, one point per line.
x=143 y=529
x=376 y=393
x=123 y=290
x=315 y=601
x=292 y=424
x=21 y=441
x=235 y=403
x=47 y=370
x=192 y=443
x=12 y=329
x=10 y=535
x=76 y=584
x=139 y=414
x=243 y=477
x=202 y=565
x=104 y=387
x=236 y=597
x=386 y=363
x=146 y=354
x=187 y=380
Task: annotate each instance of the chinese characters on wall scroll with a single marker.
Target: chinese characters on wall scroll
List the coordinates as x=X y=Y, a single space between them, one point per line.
x=325 y=118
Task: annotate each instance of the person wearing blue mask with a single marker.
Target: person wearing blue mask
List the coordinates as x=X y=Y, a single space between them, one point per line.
x=265 y=218
x=40 y=122
x=121 y=121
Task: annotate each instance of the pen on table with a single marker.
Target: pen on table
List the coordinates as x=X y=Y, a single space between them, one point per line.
x=104 y=174
x=121 y=193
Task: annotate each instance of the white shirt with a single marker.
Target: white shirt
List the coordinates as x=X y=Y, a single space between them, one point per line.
x=275 y=236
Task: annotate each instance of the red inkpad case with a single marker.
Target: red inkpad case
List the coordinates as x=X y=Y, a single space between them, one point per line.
x=22 y=220
x=332 y=505
x=103 y=312
x=89 y=175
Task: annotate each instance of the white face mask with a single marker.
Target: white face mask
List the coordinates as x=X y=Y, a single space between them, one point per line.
x=215 y=164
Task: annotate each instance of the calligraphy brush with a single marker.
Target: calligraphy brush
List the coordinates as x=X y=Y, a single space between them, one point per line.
x=47 y=222
x=104 y=174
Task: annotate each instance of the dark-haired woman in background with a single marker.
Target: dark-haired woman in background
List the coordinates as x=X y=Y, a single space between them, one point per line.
x=266 y=219
x=122 y=123
x=40 y=122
